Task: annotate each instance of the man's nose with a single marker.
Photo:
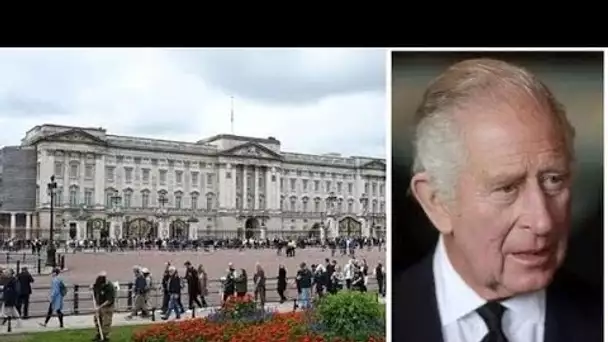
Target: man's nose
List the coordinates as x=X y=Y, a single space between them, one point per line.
x=537 y=214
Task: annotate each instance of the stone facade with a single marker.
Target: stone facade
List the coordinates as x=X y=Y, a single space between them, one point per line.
x=17 y=189
x=226 y=185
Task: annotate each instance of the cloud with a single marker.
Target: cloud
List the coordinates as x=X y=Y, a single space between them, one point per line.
x=315 y=101
x=289 y=76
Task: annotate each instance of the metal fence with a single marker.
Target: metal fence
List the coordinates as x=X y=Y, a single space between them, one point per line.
x=35 y=263
x=78 y=300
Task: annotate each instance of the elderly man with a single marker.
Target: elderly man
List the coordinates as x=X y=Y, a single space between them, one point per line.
x=140 y=288
x=492 y=171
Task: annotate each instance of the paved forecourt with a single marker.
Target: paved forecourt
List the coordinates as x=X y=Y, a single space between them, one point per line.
x=84 y=268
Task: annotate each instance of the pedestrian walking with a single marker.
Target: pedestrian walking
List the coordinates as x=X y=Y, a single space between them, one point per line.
x=57 y=292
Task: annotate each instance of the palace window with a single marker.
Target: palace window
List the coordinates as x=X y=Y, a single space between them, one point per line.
x=194 y=179
x=74 y=170
x=194 y=201
x=178 y=201
x=89 y=171
x=88 y=197
x=127 y=199
x=145 y=175
x=145 y=199
x=128 y=175
x=110 y=173
x=59 y=169
x=162 y=177
x=74 y=197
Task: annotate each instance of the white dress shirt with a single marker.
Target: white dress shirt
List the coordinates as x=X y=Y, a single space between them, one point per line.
x=523 y=321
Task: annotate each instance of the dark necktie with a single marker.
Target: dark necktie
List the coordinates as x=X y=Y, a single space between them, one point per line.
x=491 y=313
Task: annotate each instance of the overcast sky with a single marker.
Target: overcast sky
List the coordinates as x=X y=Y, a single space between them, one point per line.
x=313 y=101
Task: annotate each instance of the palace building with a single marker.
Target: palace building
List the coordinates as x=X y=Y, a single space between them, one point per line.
x=104 y=185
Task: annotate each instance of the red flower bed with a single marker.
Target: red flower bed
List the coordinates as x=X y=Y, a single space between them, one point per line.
x=287 y=327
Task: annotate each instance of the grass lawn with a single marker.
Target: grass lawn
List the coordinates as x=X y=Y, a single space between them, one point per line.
x=119 y=334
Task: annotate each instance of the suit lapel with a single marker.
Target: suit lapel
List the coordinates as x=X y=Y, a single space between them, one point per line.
x=566 y=319
x=416 y=316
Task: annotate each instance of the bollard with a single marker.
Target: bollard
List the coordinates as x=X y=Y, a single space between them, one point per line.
x=9 y=328
x=75 y=307
x=153 y=314
x=130 y=296
x=23 y=256
x=295 y=305
x=8 y=258
x=18 y=266
x=193 y=312
x=62 y=262
x=39 y=265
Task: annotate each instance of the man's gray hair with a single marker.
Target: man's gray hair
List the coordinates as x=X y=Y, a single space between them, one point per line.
x=438 y=145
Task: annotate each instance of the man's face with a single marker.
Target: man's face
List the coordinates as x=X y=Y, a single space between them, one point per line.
x=511 y=214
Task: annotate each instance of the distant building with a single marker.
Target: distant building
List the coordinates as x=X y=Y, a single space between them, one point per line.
x=223 y=186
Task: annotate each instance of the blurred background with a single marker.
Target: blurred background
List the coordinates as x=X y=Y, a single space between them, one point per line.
x=576 y=79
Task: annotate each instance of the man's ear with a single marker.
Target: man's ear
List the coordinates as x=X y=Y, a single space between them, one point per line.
x=432 y=204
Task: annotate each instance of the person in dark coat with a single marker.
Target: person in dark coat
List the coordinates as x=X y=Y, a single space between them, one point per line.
x=229 y=283
x=174 y=287
x=25 y=280
x=11 y=297
x=164 y=285
x=282 y=283
x=193 y=282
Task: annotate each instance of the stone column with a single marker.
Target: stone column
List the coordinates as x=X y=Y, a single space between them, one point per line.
x=263 y=233
x=277 y=189
x=193 y=230
x=269 y=198
x=163 y=228
x=365 y=228
x=322 y=233
x=28 y=226
x=244 y=199
x=100 y=192
x=116 y=223
x=256 y=186
x=81 y=230
x=13 y=225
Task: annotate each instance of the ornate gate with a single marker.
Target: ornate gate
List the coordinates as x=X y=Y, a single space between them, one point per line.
x=97 y=228
x=348 y=226
x=178 y=230
x=140 y=228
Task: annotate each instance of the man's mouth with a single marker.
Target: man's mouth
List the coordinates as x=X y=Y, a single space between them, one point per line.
x=533 y=258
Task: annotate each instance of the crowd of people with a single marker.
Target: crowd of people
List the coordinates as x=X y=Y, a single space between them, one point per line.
x=134 y=244
x=314 y=280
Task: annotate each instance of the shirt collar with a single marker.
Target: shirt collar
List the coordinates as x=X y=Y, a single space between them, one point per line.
x=455 y=299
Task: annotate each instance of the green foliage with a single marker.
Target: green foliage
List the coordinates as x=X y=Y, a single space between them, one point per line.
x=351 y=315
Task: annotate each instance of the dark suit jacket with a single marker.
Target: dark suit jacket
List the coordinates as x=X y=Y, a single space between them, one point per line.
x=574 y=311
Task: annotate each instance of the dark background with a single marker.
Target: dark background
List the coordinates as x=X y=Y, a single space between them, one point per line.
x=576 y=79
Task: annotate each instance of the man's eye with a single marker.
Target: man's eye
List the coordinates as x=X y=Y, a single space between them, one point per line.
x=507 y=189
x=553 y=182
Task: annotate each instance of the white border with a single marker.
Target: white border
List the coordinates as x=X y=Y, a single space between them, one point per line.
x=485 y=49
x=389 y=173
x=389 y=194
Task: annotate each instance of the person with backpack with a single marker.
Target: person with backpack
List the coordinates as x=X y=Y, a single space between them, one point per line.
x=56 y=295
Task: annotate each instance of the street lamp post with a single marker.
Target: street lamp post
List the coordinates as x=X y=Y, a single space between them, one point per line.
x=50 y=250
